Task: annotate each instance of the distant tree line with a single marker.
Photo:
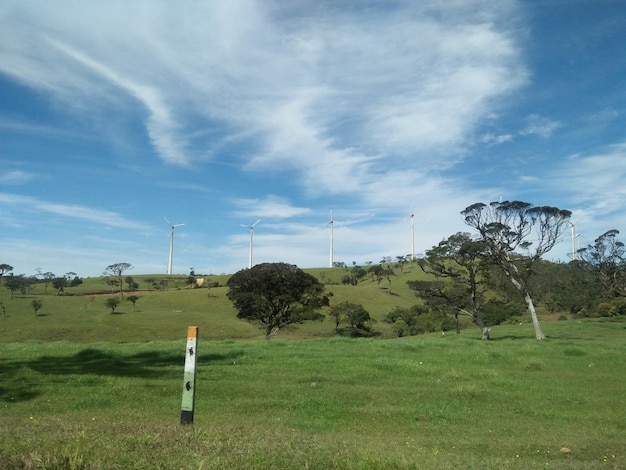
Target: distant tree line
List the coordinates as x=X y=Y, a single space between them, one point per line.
x=491 y=276
x=488 y=276
x=23 y=284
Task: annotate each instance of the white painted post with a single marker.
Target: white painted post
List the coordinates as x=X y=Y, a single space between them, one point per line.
x=189 y=376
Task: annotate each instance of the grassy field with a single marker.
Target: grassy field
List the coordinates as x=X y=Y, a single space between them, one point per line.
x=81 y=388
x=431 y=401
x=80 y=314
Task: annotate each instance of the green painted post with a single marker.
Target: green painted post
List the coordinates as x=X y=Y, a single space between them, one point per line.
x=189 y=377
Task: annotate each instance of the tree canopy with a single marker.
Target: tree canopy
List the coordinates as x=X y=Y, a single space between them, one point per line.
x=275 y=295
x=606 y=259
x=462 y=260
x=4 y=268
x=355 y=315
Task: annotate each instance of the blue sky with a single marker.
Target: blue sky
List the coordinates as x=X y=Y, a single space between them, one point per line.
x=115 y=115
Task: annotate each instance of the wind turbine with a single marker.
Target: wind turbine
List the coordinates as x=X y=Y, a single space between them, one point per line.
x=251 y=227
x=412 y=217
x=332 y=224
x=172 y=227
x=571 y=224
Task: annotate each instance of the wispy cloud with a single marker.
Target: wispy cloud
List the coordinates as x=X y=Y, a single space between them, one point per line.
x=301 y=90
x=16 y=177
x=540 y=125
x=70 y=211
x=271 y=207
x=594 y=187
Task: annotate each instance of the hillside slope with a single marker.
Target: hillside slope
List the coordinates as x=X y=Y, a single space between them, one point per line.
x=80 y=313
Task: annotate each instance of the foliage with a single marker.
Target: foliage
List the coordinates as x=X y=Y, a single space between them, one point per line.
x=506 y=227
x=133 y=299
x=59 y=284
x=37 y=304
x=4 y=268
x=355 y=316
x=112 y=303
x=130 y=282
x=17 y=283
x=612 y=308
x=463 y=261
x=117 y=270
x=496 y=311
x=568 y=287
x=355 y=275
x=606 y=259
x=47 y=277
x=407 y=321
x=275 y=295
x=377 y=273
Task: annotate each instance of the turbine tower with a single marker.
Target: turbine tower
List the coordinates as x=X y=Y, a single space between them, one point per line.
x=571 y=224
x=251 y=227
x=332 y=224
x=412 y=217
x=172 y=227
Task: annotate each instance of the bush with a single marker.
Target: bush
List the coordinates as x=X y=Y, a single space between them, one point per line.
x=496 y=311
x=405 y=321
x=613 y=308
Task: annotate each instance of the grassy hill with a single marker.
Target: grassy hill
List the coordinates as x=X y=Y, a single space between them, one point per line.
x=80 y=313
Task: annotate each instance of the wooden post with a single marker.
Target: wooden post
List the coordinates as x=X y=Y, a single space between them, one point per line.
x=189 y=377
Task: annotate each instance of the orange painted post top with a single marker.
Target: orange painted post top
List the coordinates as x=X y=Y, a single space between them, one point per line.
x=192 y=332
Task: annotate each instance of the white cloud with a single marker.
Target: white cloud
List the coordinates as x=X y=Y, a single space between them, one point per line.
x=16 y=177
x=540 y=125
x=593 y=186
x=271 y=207
x=407 y=82
x=69 y=211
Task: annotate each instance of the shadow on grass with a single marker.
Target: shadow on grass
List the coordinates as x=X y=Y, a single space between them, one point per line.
x=20 y=380
x=510 y=337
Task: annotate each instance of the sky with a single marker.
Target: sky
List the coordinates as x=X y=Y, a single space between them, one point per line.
x=117 y=115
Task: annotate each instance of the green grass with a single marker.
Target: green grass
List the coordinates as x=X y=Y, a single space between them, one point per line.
x=422 y=402
x=81 y=315
x=81 y=388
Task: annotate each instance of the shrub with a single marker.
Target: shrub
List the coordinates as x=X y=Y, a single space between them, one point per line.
x=496 y=311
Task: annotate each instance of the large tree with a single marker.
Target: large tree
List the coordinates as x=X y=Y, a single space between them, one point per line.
x=117 y=270
x=460 y=259
x=275 y=295
x=606 y=259
x=508 y=227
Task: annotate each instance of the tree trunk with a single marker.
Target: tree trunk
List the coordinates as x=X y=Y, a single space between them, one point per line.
x=533 y=314
x=483 y=328
x=479 y=322
x=269 y=332
x=521 y=287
